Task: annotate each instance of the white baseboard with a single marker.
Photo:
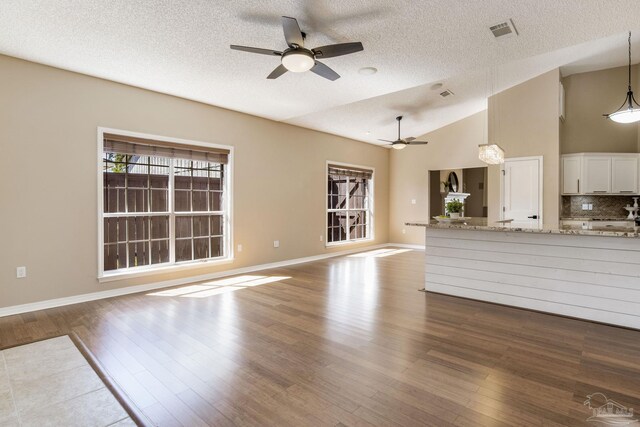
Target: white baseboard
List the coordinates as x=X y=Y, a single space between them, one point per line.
x=407 y=246
x=59 y=302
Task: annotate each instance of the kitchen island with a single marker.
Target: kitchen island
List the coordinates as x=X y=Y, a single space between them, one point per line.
x=587 y=274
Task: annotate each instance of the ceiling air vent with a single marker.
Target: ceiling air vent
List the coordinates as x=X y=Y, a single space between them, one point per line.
x=446 y=93
x=504 y=29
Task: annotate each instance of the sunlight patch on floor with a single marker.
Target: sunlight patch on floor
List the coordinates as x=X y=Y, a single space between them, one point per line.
x=379 y=253
x=216 y=287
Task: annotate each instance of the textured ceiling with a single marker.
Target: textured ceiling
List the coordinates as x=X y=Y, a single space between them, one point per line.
x=182 y=48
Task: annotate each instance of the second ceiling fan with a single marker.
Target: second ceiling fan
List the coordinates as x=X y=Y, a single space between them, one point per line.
x=298 y=58
x=400 y=143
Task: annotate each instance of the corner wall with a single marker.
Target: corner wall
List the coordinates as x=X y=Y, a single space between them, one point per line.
x=48 y=132
x=524 y=121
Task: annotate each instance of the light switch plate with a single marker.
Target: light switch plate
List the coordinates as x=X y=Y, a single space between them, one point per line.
x=276 y=243
x=21 y=272
x=585 y=206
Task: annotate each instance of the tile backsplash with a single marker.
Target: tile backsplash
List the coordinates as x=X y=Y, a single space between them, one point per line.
x=603 y=206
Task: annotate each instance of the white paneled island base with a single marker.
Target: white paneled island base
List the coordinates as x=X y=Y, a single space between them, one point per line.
x=584 y=275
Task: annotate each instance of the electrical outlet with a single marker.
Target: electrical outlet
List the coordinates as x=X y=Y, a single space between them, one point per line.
x=21 y=272
x=239 y=248
x=276 y=243
x=321 y=237
x=404 y=231
x=413 y=201
x=590 y=206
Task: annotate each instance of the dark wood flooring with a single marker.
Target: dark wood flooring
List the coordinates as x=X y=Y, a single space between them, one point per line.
x=347 y=341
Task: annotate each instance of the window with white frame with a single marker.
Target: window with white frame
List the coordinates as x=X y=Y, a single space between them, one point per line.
x=163 y=203
x=349 y=203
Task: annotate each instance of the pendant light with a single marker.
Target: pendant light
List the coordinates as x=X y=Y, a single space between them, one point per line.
x=629 y=111
x=491 y=154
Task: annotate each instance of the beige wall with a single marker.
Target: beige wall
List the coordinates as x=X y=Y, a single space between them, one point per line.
x=524 y=121
x=452 y=147
x=587 y=97
x=48 y=124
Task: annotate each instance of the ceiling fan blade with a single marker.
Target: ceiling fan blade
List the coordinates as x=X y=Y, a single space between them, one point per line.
x=256 y=50
x=280 y=70
x=324 y=71
x=340 y=49
x=409 y=139
x=417 y=142
x=386 y=140
x=292 y=33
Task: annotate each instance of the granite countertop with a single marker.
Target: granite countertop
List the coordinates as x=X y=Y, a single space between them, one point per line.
x=577 y=218
x=470 y=225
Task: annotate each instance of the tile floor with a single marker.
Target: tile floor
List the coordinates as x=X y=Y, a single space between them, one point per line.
x=50 y=383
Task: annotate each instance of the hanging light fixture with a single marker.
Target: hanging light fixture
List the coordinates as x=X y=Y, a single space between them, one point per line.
x=491 y=154
x=629 y=111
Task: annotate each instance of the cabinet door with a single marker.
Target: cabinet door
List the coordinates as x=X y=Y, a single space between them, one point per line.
x=597 y=174
x=624 y=175
x=571 y=172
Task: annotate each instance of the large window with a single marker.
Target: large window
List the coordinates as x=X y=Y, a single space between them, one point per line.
x=163 y=203
x=349 y=203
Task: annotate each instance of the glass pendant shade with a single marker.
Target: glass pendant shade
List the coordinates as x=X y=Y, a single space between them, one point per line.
x=491 y=154
x=629 y=112
x=298 y=62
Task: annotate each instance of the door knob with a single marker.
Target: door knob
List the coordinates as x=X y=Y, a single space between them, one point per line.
x=533 y=217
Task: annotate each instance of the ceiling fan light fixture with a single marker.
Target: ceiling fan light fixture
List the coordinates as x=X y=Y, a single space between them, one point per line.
x=491 y=154
x=298 y=61
x=629 y=112
x=399 y=145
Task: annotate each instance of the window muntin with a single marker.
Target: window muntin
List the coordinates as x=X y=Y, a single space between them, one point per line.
x=349 y=204
x=161 y=211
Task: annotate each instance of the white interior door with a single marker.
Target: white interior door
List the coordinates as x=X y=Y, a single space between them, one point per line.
x=521 y=192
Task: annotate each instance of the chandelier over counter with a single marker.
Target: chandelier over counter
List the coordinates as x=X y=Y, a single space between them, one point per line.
x=629 y=111
x=491 y=154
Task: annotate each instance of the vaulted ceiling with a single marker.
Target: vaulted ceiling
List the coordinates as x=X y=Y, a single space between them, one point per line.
x=181 y=48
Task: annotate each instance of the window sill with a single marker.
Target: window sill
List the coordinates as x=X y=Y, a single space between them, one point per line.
x=348 y=242
x=150 y=271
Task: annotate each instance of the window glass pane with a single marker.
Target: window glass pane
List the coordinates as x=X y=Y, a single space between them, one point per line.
x=114 y=230
x=215 y=198
x=215 y=183
x=183 y=226
x=200 y=183
x=115 y=256
x=138 y=254
x=199 y=201
x=138 y=228
x=217 y=225
x=200 y=226
x=159 y=227
x=183 y=250
x=159 y=202
x=182 y=182
x=217 y=247
x=201 y=248
x=159 y=251
x=182 y=200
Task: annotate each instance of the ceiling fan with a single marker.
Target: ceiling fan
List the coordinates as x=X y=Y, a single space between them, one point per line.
x=297 y=58
x=400 y=143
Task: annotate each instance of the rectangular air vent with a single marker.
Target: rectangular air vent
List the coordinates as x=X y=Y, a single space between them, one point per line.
x=446 y=93
x=504 y=29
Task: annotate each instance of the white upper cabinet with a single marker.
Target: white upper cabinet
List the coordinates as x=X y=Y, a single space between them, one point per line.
x=600 y=173
x=571 y=174
x=624 y=175
x=597 y=174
